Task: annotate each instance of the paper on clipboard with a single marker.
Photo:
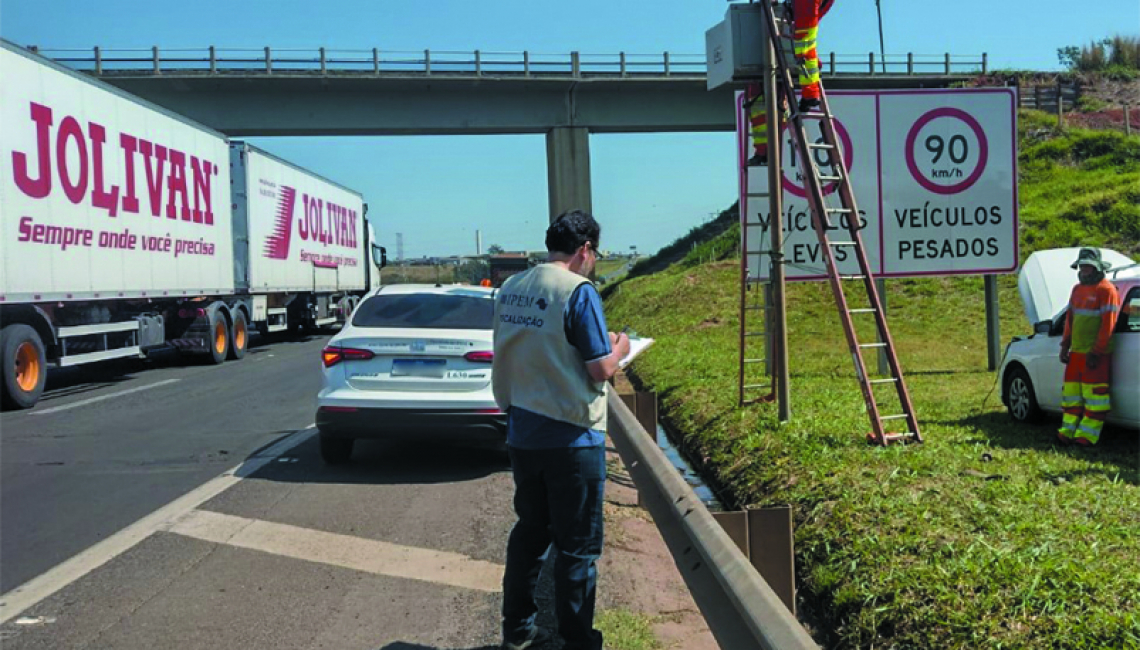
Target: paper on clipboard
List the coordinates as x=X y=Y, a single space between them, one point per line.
x=636 y=347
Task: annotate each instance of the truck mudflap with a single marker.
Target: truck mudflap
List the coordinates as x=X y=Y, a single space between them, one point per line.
x=193 y=345
x=208 y=333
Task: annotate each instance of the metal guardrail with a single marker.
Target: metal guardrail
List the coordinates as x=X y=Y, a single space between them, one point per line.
x=376 y=62
x=742 y=611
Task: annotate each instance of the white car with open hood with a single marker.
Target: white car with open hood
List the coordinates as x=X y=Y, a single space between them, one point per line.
x=1032 y=372
x=414 y=362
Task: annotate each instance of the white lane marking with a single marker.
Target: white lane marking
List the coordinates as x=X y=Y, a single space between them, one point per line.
x=18 y=600
x=92 y=400
x=357 y=553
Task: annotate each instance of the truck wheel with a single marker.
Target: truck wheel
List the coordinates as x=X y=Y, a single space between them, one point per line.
x=336 y=451
x=25 y=366
x=219 y=338
x=239 y=343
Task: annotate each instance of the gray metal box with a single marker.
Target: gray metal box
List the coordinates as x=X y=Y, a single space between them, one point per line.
x=734 y=47
x=152 y=331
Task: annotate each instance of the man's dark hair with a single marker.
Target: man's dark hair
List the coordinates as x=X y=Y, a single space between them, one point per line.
x=570 y=230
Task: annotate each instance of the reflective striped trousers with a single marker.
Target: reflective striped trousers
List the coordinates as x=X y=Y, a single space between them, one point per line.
x=1084 y=399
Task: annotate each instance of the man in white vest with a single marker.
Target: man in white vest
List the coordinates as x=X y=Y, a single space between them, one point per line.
x=553 y=355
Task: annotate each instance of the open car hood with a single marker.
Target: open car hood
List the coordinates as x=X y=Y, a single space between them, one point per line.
x=1046 y=281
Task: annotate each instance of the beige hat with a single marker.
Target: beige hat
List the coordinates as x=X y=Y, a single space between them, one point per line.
x=1091 y=257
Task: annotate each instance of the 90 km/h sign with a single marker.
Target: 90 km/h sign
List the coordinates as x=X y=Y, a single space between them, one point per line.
x=934 y=174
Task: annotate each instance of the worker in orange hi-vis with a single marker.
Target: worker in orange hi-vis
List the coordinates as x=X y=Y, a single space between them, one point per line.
x=758 y=125
x=806 y=15
x=1086 y=351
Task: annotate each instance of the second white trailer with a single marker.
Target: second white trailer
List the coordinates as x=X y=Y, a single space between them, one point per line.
x=301 y=242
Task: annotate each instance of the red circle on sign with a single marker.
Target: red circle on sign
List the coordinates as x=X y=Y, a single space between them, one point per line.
x=983 y=150
x=848 y=159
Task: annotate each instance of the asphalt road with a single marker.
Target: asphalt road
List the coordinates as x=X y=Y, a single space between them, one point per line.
x=400 y=550
x=110 y=443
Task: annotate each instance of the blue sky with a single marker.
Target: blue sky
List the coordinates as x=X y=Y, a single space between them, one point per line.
x=648 y=188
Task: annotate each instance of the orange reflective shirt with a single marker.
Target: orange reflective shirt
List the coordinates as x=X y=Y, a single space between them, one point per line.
x=1092 y=316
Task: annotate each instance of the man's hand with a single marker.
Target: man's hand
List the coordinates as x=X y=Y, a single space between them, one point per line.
x=1065 y=355
x=1092 y=361
x=620 y=343
x=602 y=369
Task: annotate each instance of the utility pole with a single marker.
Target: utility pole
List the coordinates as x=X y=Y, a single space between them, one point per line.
x=478 y=243
x=400 y=255
x=780 y=376
x=882 y=48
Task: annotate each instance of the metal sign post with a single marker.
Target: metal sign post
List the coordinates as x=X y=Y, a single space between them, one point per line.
x=779 y=333
x=993 y=322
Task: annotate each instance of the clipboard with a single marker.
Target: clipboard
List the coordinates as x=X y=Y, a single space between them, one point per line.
x=636 y=347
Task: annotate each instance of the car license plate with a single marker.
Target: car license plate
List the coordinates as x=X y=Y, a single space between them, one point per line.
x=418 y=367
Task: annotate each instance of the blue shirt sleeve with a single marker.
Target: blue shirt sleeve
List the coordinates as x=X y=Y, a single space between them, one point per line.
x=586 y=324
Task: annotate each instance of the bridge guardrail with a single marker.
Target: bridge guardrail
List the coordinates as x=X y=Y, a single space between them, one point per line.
x=742 y=611
x=338 y=61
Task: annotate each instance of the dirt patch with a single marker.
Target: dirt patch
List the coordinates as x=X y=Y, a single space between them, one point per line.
x=1106 y=119
x=637 y=572
x=709 y=322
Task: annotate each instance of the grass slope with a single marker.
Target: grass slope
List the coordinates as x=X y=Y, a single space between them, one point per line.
x=1078 y=186
x=987 y=535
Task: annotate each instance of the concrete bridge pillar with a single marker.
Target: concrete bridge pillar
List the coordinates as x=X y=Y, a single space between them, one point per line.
x=568 y=169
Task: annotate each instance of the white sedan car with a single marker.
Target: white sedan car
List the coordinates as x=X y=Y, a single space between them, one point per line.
x=1032 y=372
x=413 y=362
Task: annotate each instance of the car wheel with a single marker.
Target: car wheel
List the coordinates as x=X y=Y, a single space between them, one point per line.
x=336 y=451
x=1020 y=398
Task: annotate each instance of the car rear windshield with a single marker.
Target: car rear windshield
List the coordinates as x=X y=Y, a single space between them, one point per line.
x=426 y=310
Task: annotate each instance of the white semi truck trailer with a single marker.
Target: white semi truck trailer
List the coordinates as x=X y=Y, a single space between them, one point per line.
x=125 y=228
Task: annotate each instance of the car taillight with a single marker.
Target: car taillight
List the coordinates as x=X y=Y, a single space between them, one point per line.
x=485 y=356
x=331 y=356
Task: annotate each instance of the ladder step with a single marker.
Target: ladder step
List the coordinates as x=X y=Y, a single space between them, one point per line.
x=820 y=145
x=758 y=195
x=838 y=210
x=884 y=381
x=829 y=179
x=753 y=386
x=841 y=243
x=862 y=310
x=852 y=277
x=872 y=345
x=755 y=360
x=893 y=417
x=891 y=437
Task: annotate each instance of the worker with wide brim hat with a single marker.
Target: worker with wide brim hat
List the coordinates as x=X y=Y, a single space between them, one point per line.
x=1086 y=350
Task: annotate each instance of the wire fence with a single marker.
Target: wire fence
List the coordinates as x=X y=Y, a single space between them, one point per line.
x=377 y=62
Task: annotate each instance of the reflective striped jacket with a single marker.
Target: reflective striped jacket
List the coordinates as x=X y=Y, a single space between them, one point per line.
x=1092 y=315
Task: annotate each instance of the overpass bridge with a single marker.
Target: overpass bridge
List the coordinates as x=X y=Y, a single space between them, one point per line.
x=273 y=92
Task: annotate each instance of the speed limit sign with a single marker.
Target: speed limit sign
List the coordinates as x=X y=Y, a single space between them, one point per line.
x=934 y=173
x=949 y=181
